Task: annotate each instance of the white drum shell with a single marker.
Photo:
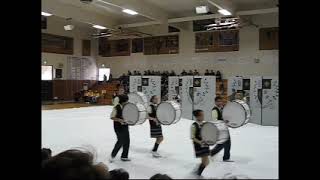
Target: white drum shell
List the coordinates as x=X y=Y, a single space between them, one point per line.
x=138 y=97
x=224 y=134
x=237 y=113
x=134 y=114
x=169 y=112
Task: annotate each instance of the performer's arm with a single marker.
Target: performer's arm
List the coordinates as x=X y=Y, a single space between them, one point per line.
x=115 y=101
x=114 y=118
x=193 y=135
x=151 y=118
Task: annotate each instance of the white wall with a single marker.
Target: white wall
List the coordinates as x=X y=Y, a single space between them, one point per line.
x=55 y=26
x=237 y=63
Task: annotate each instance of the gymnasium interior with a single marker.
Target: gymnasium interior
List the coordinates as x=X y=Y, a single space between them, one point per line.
x=197 y=49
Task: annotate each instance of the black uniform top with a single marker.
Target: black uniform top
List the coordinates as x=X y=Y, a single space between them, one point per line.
x=197 y=131
x=118 y=125
x=153 y=114
x=218 y=112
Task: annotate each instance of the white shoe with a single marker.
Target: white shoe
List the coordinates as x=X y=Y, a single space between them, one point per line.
x=111 y=159
x=125 y=159
x=155 y=154
x=195 y=170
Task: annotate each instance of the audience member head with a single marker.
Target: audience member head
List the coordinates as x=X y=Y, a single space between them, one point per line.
x=45 y=154
x=160 y=176
x=119 y=174
x=73 y=165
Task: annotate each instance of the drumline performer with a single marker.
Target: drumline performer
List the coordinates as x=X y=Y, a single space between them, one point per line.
x=217 y=116
x=201 y=148
x=155 y=126
x=177 y=98
x=115 y=98
x=121 y=129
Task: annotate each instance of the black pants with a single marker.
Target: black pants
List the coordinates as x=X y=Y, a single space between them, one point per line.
x=226 y=146
x=123 y=141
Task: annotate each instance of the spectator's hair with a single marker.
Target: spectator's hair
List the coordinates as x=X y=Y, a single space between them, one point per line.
x=45 y=154
x=120 y=87
x=72 y=165
x=151 y=99
x=196 y=112
x=160 y=176
x=119 y=174
x=123 y=98
x=217 y=98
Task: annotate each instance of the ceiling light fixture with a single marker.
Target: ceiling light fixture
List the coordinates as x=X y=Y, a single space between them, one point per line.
x=202 y=9
x=45 y=14
x=129 y=11
x=99 y=27
x=68 y=27
x=224 y=12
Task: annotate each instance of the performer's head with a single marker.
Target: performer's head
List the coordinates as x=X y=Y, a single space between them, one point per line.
x=239 y=95
x=218 y=101
x=198 y=114
x=123 y=99
x=155 y=99
x=121 y=90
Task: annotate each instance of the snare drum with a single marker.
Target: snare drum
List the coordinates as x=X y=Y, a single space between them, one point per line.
x=237 y=113
x=138 y=97
x=169 y=112
x=134 y=114
x=214 y=132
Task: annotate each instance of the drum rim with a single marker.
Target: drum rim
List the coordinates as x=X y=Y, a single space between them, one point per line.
x=136 y=108
x=174 y=114
x=245 y=111
x=246 y=114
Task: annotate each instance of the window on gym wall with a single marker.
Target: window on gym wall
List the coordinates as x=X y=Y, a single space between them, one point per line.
x=102 y=72
x=47 y=73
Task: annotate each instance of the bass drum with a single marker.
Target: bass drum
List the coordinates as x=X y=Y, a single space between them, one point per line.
x=138 y=97
x=237 y=113
x=134 y=114
x=169 y=112
x=214 y=133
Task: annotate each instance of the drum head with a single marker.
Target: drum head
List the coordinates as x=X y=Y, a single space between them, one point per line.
x=235 y=114
x=130 y=113
x=209 y=133
x=166 y=113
